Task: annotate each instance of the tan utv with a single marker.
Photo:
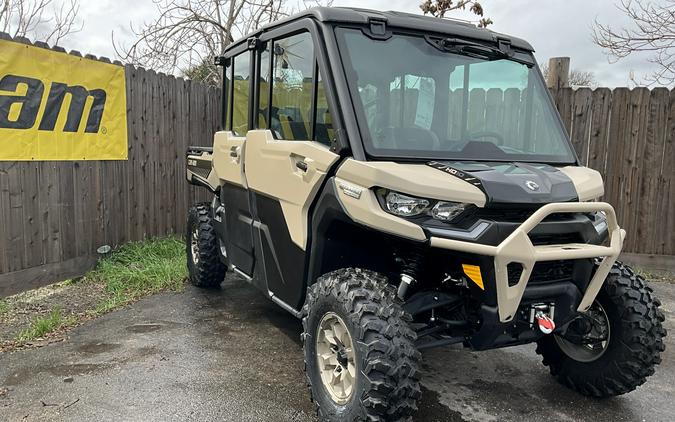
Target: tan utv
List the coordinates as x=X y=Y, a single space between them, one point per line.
x=402 y=182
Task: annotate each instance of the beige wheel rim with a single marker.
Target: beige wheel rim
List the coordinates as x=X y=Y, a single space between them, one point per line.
x=194 y=245
x=336 y=358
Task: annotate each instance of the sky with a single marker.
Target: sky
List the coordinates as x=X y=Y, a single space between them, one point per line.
x=553 y=27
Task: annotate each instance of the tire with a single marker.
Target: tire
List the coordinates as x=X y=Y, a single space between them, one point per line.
x=386 y=385
x=634 y=345
x=204 y=265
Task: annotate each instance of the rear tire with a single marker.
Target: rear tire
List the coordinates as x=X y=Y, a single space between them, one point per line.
x=202 y=248
x=384 y=384
x=634 y=344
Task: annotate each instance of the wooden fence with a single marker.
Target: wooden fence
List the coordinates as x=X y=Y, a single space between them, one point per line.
x=54 y=215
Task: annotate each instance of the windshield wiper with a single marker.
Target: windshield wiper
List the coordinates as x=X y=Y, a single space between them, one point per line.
x=480 y=51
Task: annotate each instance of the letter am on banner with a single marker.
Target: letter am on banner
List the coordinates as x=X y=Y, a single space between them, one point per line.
x=56 y=106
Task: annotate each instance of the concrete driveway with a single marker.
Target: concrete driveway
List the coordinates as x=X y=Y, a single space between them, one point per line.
x=231 y=355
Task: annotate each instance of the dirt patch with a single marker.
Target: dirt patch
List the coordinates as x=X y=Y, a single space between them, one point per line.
x=76 y=302
x=133 y=271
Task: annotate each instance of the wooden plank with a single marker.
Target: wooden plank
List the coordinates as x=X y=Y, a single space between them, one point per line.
x=42 y=275
x=50 y=211
x=67 y=218
x=5 y=221
x=649 y=156
x=30 y=195
x=510 y=124
x=581 y=123
x=601 y=102
x=665 y=211
x=494 y=113
x=630 y=206
x=16 y=251
x=476 y=112
x=615 y=149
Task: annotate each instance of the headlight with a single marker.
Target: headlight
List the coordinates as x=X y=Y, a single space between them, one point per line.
x=447 y=211
x=410 y=206
x=404 y=205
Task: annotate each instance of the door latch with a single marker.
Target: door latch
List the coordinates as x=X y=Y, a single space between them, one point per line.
x=302 y=165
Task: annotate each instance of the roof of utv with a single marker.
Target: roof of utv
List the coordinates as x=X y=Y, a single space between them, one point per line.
x=337 y=15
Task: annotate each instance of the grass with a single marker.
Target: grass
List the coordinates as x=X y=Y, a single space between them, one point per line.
x=44 y=325
x=140 y=268
x=4 y=307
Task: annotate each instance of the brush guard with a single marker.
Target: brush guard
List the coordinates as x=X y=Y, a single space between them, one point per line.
x=518 y=248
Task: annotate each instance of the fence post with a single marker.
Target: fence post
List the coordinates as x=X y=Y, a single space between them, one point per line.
x=558 y=72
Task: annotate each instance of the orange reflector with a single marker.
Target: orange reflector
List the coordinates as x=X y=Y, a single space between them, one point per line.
x=473 y=272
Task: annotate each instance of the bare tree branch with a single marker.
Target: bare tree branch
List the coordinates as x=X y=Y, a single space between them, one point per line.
x=652 y=31
x=578 y=77
x=188 y=34
x=439 y=8
x=41 y=20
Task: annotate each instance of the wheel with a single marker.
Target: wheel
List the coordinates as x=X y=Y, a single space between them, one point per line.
x=360 y=357
x=612 y=348
x=202 y=247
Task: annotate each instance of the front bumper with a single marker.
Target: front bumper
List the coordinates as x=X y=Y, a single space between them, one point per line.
x=518 y=248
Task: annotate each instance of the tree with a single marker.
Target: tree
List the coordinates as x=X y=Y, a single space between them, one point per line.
x=26 y=18
x=652 y=32
x=439 y=8
x=189 y=34
x=577 y=77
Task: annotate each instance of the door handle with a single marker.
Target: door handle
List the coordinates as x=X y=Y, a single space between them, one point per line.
x=302 y=165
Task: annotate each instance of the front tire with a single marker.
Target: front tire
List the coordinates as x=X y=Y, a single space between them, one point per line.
x=360 y=357
x=633 y=335
x=202 y=248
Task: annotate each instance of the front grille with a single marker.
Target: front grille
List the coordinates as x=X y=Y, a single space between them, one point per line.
x=514 y=215
x=555 y=239
x=552 y=272
x=543 y=272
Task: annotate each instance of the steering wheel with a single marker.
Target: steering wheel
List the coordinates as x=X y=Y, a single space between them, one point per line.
x=487 y=134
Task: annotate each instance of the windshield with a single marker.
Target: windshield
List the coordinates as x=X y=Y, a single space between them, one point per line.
x=415 y=99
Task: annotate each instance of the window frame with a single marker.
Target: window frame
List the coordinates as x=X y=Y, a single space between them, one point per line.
x=270 y=39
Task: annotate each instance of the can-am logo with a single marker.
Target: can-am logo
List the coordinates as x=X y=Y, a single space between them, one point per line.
x=31 y=101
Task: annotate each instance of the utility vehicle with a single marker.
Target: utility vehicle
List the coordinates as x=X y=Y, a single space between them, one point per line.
x=402 y=182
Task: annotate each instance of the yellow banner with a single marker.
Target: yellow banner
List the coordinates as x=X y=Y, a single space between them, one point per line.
x=56 y=106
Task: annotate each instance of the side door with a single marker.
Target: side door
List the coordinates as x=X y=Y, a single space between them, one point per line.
x=287 y=159
x=234 y=214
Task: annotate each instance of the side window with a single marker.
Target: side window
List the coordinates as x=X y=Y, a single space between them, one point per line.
x=264 y=87
x=240 y=103
x=323 y=130
x=292 y=87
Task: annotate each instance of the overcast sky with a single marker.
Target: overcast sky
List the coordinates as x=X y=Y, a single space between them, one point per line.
x=553 y=27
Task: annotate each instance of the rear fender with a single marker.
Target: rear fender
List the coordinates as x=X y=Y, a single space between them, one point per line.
x=199 y=168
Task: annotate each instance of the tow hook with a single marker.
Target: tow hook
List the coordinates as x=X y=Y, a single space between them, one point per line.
x=543 y=315
x=545 y=323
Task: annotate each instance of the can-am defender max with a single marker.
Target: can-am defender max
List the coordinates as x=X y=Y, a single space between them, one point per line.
x=402 y=182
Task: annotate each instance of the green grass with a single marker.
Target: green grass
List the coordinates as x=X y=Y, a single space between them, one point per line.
x=46 y=324
x=137 y=269
x=4 y=307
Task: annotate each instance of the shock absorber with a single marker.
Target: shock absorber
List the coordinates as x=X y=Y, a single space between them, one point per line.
x=411 y=266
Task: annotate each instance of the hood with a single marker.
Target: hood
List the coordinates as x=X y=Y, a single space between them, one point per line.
x=506 y=184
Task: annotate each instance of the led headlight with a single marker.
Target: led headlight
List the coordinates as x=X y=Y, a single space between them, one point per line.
x=447 y=211
x=404 y=205
x=409 y=206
